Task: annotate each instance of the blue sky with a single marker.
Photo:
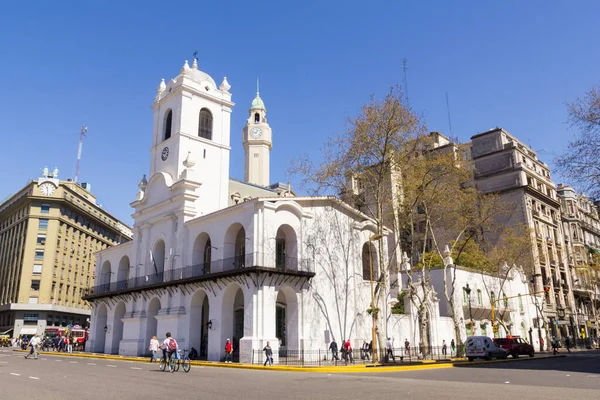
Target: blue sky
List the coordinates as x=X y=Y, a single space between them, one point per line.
x=511 y=64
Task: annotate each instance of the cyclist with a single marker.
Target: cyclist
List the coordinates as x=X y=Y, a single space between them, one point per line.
x=169 y=346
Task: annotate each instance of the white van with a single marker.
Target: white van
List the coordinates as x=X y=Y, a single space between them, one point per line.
x=483 y=347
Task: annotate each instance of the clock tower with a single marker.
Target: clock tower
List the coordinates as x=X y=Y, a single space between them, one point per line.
x=257 y=141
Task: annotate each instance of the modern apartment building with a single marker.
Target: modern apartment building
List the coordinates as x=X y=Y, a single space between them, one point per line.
x=581 y=224
x=506 y=166
x=49 y=231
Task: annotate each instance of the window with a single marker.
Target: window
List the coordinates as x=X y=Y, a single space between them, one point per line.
x=369 y=261
x=280 y=324
x=35 y=284
x=41 y=239
x=280 y=253
x=45 y=209
x=168 y=124
x=43 y=224
x=30 y=319
x=205 y=124
x=39 y=254
x=479 y=297
x=37 y=269
x=256 y=118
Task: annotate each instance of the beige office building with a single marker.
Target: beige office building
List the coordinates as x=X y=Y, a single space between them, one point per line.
x=49 y=231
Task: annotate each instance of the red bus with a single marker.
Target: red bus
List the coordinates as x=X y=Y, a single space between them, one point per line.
x=79 y=334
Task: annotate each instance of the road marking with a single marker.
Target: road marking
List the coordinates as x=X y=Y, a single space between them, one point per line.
x=568 y=375
x=74 y=362
x=12 y=373
x=507 y=382
x=33 y=377
x=58 y=360
x=112 y=366
x=134 y=368
x=90 y=364
x=3 y=362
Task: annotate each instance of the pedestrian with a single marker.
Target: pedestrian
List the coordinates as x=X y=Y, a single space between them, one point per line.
x=334 y=350
x=554 y=346
x=228 y=351
x=406 y=346
x=453 y=346
x=371 y=349
x=268 y=355
x=389 y=346
x=153 y=347
x=34 y=343
x=444 y=347
x=365 y=350
x=69 y=342
x=348 y=349
x=168 y=346
x=568 y=344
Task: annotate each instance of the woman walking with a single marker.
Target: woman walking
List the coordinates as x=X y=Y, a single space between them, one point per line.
x=153 y=347
x=268 y=355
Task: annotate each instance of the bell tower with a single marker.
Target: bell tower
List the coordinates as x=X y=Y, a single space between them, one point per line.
x=192 y=128
x=257 y=142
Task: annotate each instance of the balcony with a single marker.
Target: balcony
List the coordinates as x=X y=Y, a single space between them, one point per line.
x=254 y=262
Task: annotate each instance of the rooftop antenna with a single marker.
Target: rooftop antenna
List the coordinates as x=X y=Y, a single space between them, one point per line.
x=81 y=135
x=404 y=67
x=448 y=109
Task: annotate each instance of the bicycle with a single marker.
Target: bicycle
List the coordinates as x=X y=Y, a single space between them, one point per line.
x=184 y=361
x=163 y=364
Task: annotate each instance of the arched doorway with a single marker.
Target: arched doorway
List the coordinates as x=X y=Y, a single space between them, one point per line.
x=198 y=335
x=235 y=248
x=232 y=317
x=369 y=261
x=286 y=318
x=123 y=273
x=99 y=333
x=117 y=328
x=157 y=262
x=104 y=278
x=151 y=322
x=202 y=254
x=286 y=248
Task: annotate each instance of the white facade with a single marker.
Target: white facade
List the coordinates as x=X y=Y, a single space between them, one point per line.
x=206 y=267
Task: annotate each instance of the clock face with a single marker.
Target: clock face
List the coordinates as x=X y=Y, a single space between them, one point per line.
x=165 y=154
x=47 y=189
x=256 y=133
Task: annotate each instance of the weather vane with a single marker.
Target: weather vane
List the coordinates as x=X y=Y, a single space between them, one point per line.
x=195 y=54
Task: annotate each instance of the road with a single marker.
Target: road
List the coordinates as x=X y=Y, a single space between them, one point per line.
x=57 y=377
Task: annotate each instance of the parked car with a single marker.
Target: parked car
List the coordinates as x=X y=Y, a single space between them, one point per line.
x=515 y=346
x=483 y=347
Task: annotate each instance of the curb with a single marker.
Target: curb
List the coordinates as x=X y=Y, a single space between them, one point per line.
x=365 y=368
x=508 y=360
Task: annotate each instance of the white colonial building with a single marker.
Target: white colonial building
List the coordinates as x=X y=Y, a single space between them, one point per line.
x=215 y=258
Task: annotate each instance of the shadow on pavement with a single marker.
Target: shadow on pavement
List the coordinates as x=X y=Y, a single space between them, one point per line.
x=583 y=362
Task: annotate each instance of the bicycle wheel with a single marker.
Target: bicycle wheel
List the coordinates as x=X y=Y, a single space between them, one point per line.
x=163 y=365
x=172 y=365
x=177 y=362
x=186 y=364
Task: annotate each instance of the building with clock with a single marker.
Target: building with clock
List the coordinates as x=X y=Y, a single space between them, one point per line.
x=214 y=258
x=49 y=231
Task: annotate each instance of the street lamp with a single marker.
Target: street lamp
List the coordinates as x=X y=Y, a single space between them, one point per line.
x=373 y=327
x=467 y=290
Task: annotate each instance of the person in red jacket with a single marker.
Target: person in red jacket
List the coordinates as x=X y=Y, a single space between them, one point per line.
x=228 y=351
x=348 y=348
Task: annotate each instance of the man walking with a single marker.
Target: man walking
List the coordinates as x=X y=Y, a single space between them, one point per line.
x=228 y=351
x=334 y=350
x=406 y=346
x=444 y=347
x=568 y=344
x=348 y=353
x=389 y=350
x=34 y=343
x=268 y=355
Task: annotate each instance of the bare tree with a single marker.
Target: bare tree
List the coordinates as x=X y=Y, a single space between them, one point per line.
x=362 y=165
x=580 y=161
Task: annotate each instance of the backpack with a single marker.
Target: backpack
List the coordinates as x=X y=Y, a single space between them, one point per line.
x=172 y=345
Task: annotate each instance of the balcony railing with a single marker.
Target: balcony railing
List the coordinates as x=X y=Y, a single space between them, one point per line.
x=215 y=267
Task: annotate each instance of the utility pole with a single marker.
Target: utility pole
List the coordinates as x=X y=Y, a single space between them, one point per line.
x=81 y=135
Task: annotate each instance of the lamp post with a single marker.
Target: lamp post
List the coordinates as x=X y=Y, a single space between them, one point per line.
x=467 y=290
x=373 y=327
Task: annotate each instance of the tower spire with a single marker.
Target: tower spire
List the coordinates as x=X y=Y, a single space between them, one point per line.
x=257 y=86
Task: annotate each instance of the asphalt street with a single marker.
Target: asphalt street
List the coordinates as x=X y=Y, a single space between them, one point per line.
x=57 y=377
